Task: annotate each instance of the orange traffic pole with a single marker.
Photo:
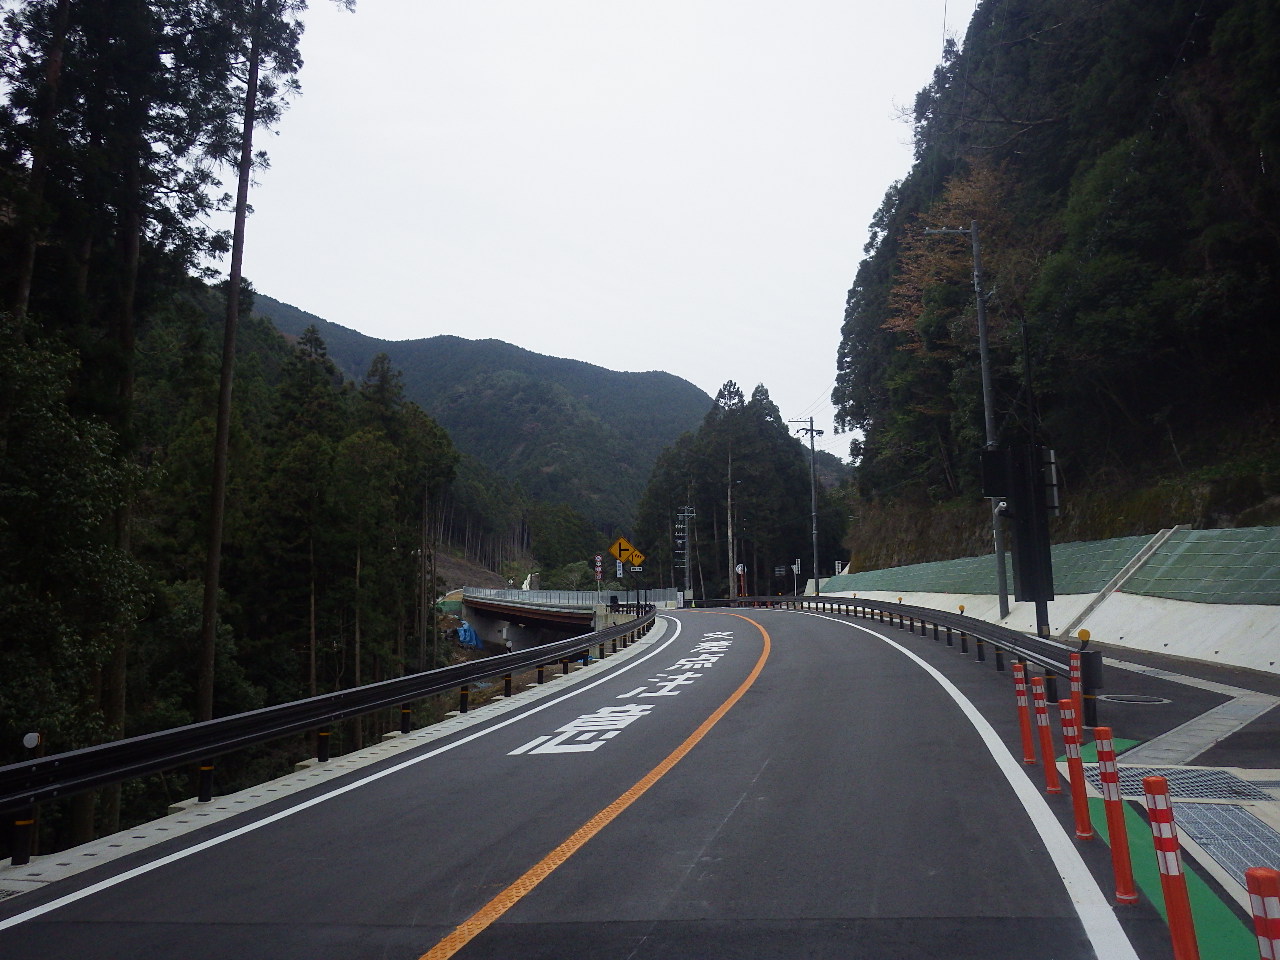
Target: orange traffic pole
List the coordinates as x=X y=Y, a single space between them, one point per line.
x=1051 y=782
x=1177 y=905
x=1264 y=898
x=1109 y=774
x=1075 y=769
x=1024 y=711
x=1077 y=685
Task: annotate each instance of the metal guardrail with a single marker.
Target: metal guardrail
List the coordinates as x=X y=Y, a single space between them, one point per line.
x=1050 y=655
x=25 y=784
x=567 y=598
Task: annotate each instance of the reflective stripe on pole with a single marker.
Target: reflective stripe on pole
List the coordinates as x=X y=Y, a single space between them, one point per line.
x=1051 y=782
x=1075 y=770
x=1264 y=898
x=1109 y=774
x=1077 y=685
x=1024 y=712
x=1173 y=883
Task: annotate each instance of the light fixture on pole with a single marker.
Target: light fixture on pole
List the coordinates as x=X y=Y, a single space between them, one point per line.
x=988 y=410
x=813 y=496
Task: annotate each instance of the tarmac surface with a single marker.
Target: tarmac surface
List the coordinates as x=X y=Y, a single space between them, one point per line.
x=828 y=797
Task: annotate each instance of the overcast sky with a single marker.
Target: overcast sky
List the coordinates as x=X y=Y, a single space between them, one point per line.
x=680 y=185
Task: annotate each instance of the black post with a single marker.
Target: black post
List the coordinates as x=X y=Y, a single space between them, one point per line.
x=982 y=649
x=24 y=822
x=322 y=745
x=999 y=660
x=464 y=698
x=506 y=685
x=406 y=718
x=1090 y=684
x=542 y=673
x=204 y=790
x=964 y=642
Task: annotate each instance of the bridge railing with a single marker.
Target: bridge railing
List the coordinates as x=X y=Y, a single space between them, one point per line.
x=1053 y=657
x=23 y=785
x=567 y=598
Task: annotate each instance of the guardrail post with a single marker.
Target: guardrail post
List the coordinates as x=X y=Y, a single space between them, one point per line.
x=1024 y=714
x=322 y=745
x=1173 y=884
x=935 y=633
x=21 y=834
x=564 y=665
x=950 y=642
x=982 y=649
x=964 y=642
x=999 y=658
x=204 y=782
x=506 y=685
x=1051 y=685
x=1051 y=782
x=542 y=673
x=615 y=645
x=1117 y=833
x=1263 y=884
x=1090 y=683
x=464 y=698
x=1075 y=769
x=601 y=656
x=406 y=718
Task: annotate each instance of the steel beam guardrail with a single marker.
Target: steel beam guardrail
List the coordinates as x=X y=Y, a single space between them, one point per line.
x=1052 y=656
x=23 y=785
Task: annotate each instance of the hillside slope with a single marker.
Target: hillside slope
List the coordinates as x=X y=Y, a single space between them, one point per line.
x=568 y=431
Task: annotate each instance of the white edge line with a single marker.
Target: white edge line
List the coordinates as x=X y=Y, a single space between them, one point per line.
x=1098 y=919
x=138 y=871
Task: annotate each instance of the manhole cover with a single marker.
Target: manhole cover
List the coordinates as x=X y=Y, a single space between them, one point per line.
x=1131 y=698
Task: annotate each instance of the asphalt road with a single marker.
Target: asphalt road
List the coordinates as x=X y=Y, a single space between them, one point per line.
x=764 y=785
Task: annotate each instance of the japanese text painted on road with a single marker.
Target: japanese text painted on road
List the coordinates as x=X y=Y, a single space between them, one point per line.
x=588 y=732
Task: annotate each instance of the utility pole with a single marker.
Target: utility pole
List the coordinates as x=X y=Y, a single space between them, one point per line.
x=733 y=554
x=988 y=408
x=813 y=495
x=684 y=530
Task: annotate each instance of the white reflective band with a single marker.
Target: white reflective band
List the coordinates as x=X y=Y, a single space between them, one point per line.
x=1170 y=865
x=1164 y=830
x=1158 y=800
x=1273 y=908
x=1110 y=791
x=1266 y=948
x=1073 y=751
x=1107 y=766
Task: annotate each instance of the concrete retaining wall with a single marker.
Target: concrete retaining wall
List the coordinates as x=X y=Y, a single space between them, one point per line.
x=1241 y=635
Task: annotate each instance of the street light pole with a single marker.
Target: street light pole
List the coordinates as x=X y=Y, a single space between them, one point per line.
x=813 y=496
x=988 y=407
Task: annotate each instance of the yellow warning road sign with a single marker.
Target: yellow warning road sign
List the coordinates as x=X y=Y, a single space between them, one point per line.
x=622 y=549
x=624 y=552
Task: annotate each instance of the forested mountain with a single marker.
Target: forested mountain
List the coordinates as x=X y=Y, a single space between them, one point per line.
x=569 y=432
x=1120 y=162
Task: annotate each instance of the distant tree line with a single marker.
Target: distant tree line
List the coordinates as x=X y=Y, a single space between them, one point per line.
x=743 y=452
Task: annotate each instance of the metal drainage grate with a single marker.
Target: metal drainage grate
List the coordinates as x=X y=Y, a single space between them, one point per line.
x=1231 y=835
x=1131 y=698
x=1190 y=784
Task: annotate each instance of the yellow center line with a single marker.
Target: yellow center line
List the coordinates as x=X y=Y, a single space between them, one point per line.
x=474 y=925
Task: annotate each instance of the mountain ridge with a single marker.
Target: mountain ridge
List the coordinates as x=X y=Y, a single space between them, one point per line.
x=568 y=430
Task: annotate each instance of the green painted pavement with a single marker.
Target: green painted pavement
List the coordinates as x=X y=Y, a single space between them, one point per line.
x=1219 y=931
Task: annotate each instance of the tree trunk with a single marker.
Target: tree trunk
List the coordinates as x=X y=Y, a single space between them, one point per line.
x=218 y=495
x=40 y=159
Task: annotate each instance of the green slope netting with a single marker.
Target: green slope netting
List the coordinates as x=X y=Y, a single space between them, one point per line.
x=1214 y=566
x=1077 y=568
x=1208 y=566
